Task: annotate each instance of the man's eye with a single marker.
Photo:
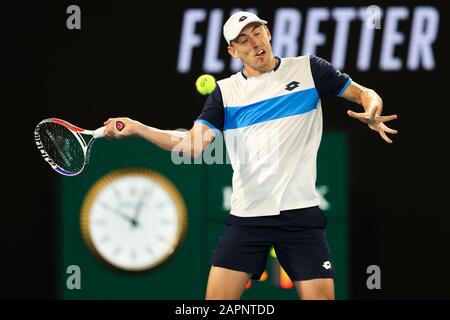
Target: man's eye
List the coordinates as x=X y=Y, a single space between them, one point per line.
x=257 y=34
x=244 y=41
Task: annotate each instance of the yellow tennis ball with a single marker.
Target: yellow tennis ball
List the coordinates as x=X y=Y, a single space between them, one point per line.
x=205 y=84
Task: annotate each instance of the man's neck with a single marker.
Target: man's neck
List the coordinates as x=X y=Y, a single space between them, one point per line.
x=254 y=73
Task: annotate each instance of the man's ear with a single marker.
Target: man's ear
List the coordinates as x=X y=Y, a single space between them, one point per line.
x=232 y=51
x=268 y=33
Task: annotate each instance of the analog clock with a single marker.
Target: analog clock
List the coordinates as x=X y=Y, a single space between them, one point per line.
x=133 y=219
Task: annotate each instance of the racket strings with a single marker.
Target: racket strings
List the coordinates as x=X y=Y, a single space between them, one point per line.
x=62 y=147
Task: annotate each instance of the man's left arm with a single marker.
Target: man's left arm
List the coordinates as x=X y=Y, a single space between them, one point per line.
x=373 y=106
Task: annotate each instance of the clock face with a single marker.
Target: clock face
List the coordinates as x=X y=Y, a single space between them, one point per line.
x=133 y=219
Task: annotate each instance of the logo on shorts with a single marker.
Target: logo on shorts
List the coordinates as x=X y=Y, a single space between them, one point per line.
x=327 y=265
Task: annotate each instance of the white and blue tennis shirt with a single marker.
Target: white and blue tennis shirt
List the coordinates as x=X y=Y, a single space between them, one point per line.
x=272 y=126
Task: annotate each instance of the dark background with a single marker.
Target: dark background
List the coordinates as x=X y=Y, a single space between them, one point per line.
x=123 y=63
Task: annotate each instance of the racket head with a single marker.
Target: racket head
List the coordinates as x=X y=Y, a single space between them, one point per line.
x=62 y=146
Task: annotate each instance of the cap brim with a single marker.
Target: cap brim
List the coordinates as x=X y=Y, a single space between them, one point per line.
x=238 y=31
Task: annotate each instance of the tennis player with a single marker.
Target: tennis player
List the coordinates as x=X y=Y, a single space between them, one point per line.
x=274 y=200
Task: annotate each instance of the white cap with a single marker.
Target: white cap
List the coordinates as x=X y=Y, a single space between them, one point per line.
x=237 y=22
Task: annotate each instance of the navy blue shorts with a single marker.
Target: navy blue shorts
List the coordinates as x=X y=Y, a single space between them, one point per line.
x=297 y=236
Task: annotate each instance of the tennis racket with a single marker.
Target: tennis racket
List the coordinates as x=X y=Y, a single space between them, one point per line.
x=66 y=147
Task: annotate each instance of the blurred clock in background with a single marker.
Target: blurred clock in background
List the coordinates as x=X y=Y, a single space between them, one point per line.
x=133 y=219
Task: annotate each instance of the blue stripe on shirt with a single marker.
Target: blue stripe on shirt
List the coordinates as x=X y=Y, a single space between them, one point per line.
x=208 y=124
x=345 y=87
x=271 y=109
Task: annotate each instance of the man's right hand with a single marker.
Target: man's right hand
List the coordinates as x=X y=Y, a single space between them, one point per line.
x=130 y=128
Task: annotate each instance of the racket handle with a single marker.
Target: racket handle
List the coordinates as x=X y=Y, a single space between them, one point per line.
x=99 y=133
x=120 y=125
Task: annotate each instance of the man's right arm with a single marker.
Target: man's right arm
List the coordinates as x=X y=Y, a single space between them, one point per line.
x=191 y=142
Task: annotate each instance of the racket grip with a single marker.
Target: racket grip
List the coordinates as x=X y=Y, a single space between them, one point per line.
x=99 y=133
x=120 y=125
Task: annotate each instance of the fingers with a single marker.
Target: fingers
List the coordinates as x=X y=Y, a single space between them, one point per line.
x=371 y=115
x=375 y=122
x=387 y=129
x=109 y=132
x=355 y=115
x=115 y=127
x=382 y=129
x=364 y=116
x=387 y=118
x=384 y=136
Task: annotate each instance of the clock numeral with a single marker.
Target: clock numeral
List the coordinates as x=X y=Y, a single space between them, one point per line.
x=117 y=250
x=161 y=205
x=166 y=221
x=167 y=242
x=101 y=222
x=147 y=193
x=133 y=255
x=117 y=194
x=162 y=238
x=105 y=238
x=104 y=205
x=150 y=251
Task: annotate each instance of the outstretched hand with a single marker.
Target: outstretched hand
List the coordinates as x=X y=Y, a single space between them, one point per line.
x=375 y=121
x=127 y=128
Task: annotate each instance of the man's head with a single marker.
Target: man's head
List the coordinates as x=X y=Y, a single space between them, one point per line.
x=249 y=39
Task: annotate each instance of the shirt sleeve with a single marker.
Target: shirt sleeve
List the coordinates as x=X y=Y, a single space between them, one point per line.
x=213 y=112
x=328 y=80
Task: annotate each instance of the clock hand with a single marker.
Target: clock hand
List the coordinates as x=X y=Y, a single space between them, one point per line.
x=118 y=212
x=138 y=208
x=136 y=212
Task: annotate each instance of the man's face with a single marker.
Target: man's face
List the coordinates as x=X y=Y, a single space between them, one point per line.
x=253 y=47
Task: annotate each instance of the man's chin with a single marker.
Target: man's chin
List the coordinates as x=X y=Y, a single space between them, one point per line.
x=263 y=66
